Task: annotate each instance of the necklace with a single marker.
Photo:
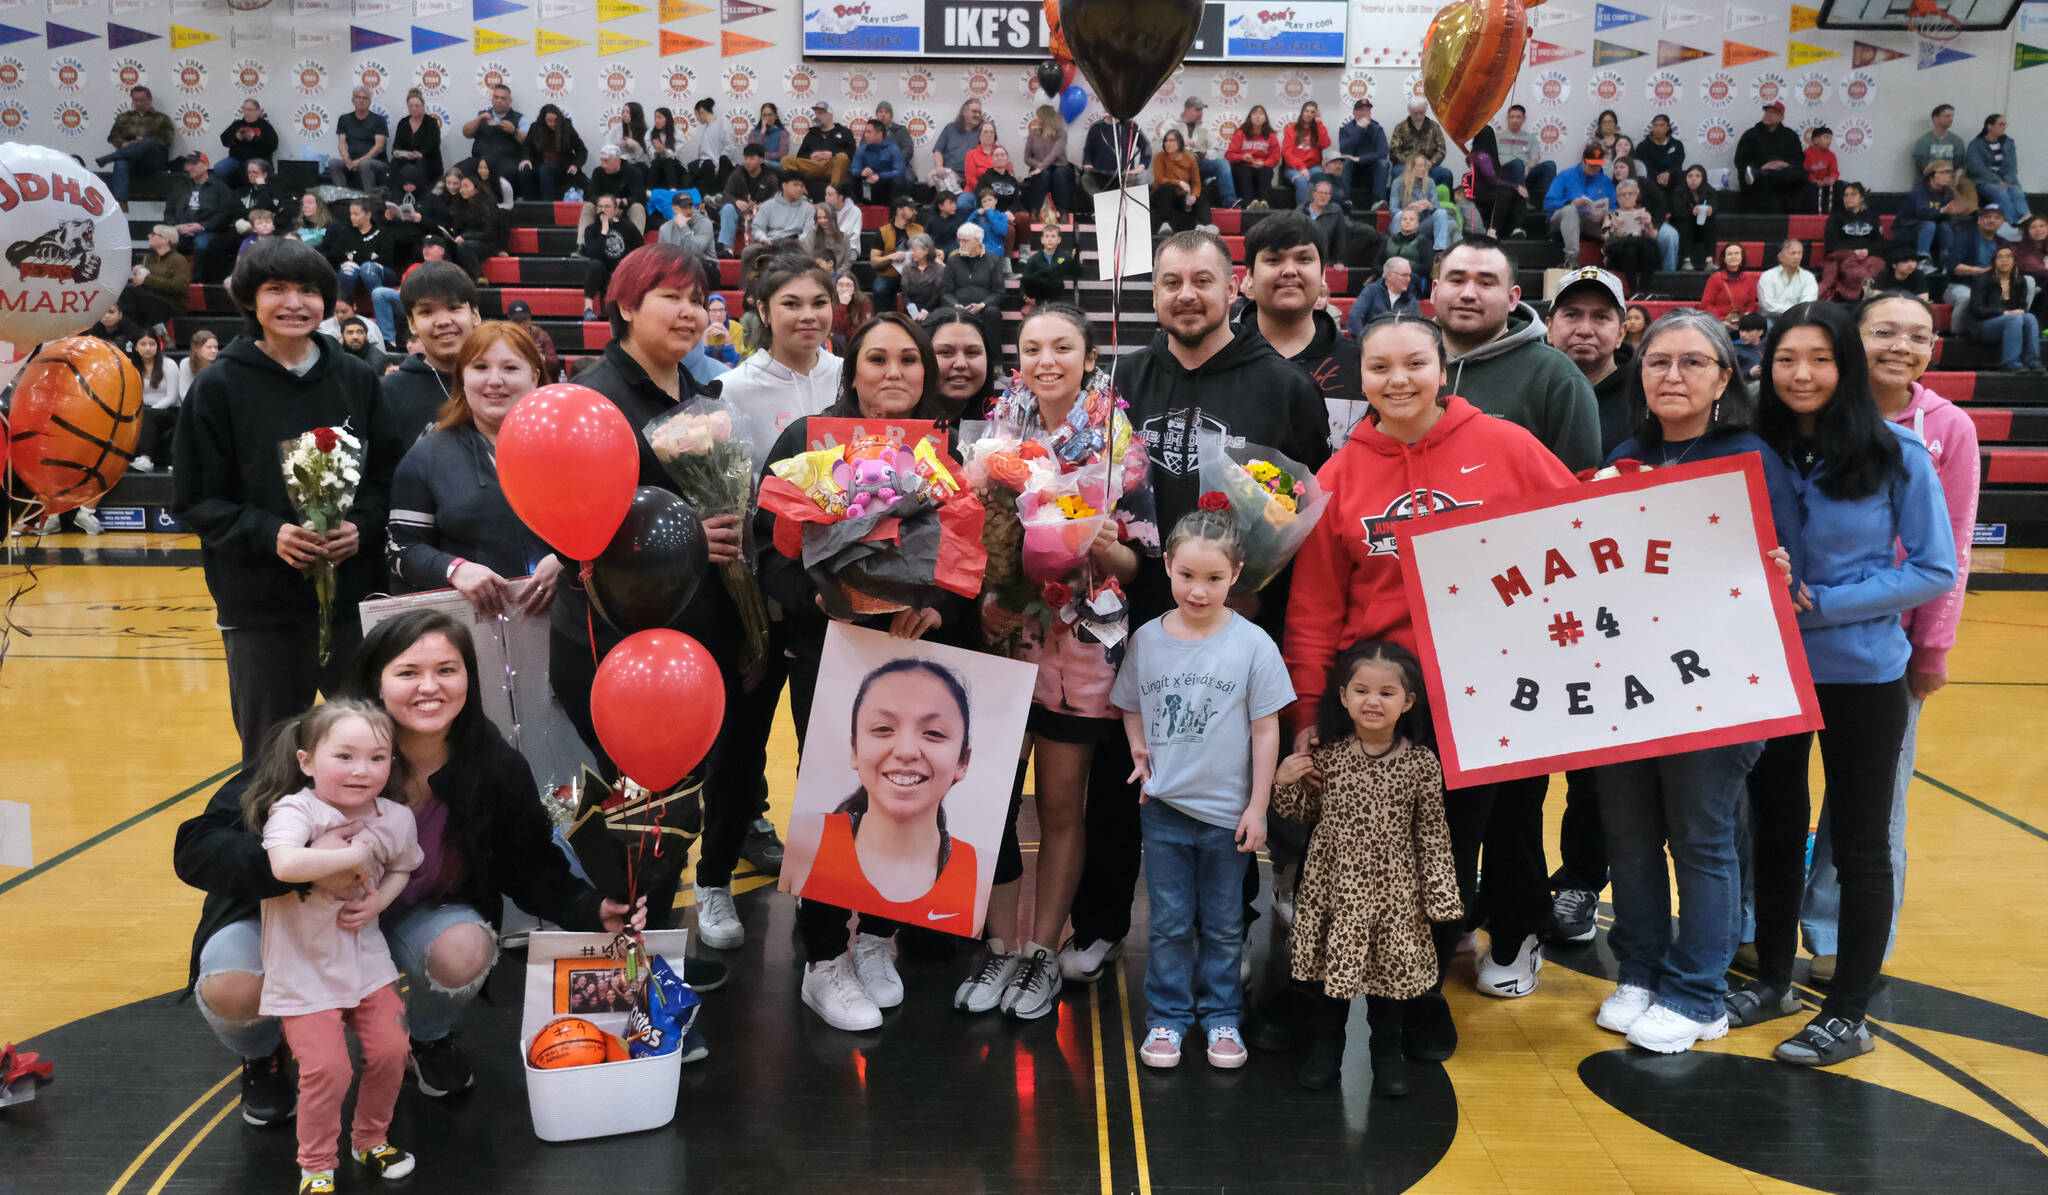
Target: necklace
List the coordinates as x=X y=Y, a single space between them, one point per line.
x=1381 y=755
x=1668 y=462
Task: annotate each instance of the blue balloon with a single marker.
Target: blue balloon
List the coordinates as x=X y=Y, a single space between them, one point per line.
x=1073 y=102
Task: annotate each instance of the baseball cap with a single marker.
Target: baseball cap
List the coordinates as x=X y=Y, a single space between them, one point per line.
x=1595 y=154
x=609 y=151
x=1774 y=105
x=1361 y=104
x=1594 y=276
x=822 y=106
x=1195 y=101
x=196 y=156
x=1990 y=207
x=519 y=310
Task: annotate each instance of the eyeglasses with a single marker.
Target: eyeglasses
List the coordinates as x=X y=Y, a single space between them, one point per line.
x=1691 y=365
x=1918 y=339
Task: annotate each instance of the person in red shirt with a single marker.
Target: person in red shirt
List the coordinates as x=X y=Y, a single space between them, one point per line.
x=1302 y=150
x=1254 y=153
x=1730 y=293
x=1821 y=169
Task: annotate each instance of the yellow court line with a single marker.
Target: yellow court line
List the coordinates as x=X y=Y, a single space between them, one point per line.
x=1101 y=1086
x=197 y=1137
x=1123 y=991
x=166 y=1134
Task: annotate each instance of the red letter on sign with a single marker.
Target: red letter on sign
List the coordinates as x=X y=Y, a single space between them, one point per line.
x=1554 y=567
x=1606 y=554
x=1656 y=556
x=1510 y=584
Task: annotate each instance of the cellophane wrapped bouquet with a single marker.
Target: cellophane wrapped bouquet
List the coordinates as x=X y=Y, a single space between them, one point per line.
x=704 y=446
x=1274 y=500
x=322 y=468
x=880 y=525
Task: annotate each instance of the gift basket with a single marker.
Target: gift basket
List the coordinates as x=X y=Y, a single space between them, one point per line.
x=878 y=518
x=601 y=1031
x=1275 y=501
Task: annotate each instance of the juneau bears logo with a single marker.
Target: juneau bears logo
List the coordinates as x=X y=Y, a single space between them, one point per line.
x=1379 y=532
x=64 y=253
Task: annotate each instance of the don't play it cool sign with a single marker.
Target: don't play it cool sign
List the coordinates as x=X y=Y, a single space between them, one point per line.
x=1624 y=619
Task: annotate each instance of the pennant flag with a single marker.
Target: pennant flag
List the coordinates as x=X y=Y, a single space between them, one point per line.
x=119 y=36
x=1865 y=54
x=485 y=41
x=1675 y=17
x=181 y=37
x=426 y=40
x=1670 y=53
x=1735 y=53
x=9 y=35
x=361 y=40
x=1798 y=53
x=612 y=10
x=1804 y=18
x=1607 y=17
x=59 y=36
x=422 y=9
x=678 y=43
x=556 y=10
x=609 y=43
x=677 y=10
x=1739 y=17
x=2025 y=56
x=484 y=10
x=1933 y=54
x=554 y=43
x=1606 y=52
x=1541 y=52
x=736 y=10
x=730 y=43
x=1550 y=15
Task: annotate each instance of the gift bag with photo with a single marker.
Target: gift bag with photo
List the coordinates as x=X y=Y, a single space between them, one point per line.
x=903 y=822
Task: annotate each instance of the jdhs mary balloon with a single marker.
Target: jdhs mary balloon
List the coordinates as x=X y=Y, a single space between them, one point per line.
x=65 y=246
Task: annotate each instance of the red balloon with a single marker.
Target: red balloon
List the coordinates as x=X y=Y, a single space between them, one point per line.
x=568 y=462
x=657 y=703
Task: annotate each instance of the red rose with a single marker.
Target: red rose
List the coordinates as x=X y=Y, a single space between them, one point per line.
x=1057 y=594
x=1214 y=500
x=1008 y=470
x=1032 y=450
x=324 y=439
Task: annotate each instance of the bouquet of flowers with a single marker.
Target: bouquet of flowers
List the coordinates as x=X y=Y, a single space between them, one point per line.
x=879 y=526
x=321 y=471
x=712 y=464
x=1275 y=501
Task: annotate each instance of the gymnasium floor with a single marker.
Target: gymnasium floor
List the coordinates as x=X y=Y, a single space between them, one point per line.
x=112 y=696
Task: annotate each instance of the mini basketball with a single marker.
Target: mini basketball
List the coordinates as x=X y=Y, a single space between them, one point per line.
x=567 y=1041
x=76 y=417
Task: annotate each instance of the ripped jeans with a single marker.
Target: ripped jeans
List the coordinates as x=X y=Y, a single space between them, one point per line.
x=431 y=1009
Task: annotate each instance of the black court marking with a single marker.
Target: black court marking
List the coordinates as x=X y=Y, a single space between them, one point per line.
x=141 y=557
x=110 y=831
x=1987 y=807
x=2008 y=582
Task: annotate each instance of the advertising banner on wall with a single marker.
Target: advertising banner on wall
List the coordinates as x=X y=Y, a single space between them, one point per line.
x=1273 y=31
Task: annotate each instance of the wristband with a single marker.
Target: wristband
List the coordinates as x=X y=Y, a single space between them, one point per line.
x=449 y=576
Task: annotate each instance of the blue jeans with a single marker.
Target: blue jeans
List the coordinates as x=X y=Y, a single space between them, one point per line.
x=1823 y=904
x=1437 y=174
x=371 y=274
x=1194 y=879
x=1218 y=170
x=2018 y=338
x=553 y=180
x=728 y=226
x=1688 y=800
x=1440 y=223
x=1932 y=239
x=1302 y=185
x=2010 y=200
x=147 y=156
x=1667 y=247
x=384 y=301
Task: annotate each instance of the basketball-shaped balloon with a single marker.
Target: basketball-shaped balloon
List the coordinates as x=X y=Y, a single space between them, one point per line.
x=567 y=1041
x=76 y=417
x=63 y=245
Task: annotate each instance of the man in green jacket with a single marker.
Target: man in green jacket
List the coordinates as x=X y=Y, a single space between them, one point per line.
x=141 y=138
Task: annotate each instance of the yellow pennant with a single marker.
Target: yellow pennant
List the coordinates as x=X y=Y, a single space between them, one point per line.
x=553 y=43
x=1798 y=53
x=618 y=43
x=612 y=10
x=1805 y=18
x=181 y=37
x=676 y=10
x=488 y=41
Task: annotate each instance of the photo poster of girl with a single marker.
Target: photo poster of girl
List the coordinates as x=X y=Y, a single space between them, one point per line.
x=905 y=822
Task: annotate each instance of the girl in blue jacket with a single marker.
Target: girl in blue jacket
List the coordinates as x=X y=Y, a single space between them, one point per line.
x=1868 y=488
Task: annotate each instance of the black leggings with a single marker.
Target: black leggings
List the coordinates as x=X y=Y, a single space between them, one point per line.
x=1635 y=259
x=1859 y=754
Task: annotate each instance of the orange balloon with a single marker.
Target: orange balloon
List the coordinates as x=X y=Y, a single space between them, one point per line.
x=1057 y=42
x=1469 y=61
x=77 y=416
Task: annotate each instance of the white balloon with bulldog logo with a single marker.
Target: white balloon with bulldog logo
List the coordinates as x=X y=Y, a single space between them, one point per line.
x=65 y=246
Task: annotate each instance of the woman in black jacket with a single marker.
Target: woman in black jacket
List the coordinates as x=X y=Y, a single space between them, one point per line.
x=416 y=146
x=1998 y=314
x=485 y=835
x=1855 y=247
x=474 y=218
x=555 y=155
x=605 y=244
x=244 y=141
x=1693 y=203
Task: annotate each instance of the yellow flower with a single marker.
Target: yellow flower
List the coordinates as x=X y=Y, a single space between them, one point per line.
x=1076 y=507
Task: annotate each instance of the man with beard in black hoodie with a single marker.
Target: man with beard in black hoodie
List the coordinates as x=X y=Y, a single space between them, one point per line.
x=439 y=302
x=1200 y=374
x=274 y=383
x=1285 y=253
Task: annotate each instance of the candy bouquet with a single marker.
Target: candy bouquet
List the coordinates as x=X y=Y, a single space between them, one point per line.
x=704 y=447
x=879 y=519
x=1275 y=501
x=321 y=471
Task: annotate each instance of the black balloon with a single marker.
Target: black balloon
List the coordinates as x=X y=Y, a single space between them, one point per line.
x=1127 y=48
x=650 y=571
x=1051 y=78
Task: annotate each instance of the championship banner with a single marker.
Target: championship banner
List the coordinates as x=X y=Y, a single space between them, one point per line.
x=1621 y=620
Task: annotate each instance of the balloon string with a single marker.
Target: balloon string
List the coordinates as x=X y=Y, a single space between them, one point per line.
x=511 y=675
x=583 y=571
x=1118 y=237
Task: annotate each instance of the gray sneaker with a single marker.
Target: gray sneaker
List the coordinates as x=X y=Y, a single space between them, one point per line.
x=1573 y=909
x=1035 y=990
x=983 y=990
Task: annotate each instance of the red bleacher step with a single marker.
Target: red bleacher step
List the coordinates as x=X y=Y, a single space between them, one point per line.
x=2016 y=466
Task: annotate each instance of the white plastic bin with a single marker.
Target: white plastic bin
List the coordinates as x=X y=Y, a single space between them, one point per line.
x=609 y=1098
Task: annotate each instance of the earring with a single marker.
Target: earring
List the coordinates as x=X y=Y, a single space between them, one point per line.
x=1714 y=417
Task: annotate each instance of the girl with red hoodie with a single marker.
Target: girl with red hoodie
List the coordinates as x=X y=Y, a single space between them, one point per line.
x=1302 y=150
x=1253 y=155
x=1415 y=454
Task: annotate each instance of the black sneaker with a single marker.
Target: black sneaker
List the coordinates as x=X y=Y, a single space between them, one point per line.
x=440 y=1067
x=704 y=975
x=1428 y=1034
x=1826 y=1041
x=1389 y=1075
x=270 y=1088
x=1573 y=910
x=1754 y=1003
x=762 y=848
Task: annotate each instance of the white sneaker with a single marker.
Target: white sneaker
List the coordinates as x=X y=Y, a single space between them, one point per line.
x=874 y=964
x=718 y=921
x=983 y=990
x=1513 y=979
x=88 y=522
x=1086 y=964
x=1035 y=989
x=1666 y=1031
x=1620 y=1010
x=833 y=992
x=51 y=525
x=142 y=464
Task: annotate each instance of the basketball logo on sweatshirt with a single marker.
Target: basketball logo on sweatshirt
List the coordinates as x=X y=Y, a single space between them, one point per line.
x=1379 y=532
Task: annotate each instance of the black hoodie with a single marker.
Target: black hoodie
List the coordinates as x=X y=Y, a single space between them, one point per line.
x=1246 y=391
x=414 y=394
x=228 y=480
x=1331 y=361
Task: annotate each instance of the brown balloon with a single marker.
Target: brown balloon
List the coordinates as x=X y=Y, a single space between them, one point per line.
x=76 y=417
x=1127 y=48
